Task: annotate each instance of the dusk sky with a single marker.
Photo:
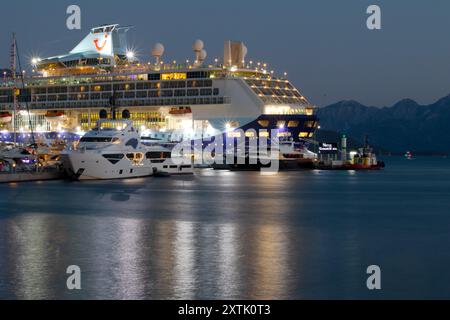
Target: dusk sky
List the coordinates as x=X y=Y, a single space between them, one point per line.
x=324 y=45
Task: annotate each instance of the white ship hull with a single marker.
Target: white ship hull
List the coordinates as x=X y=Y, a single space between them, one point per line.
x=93 y=166
x=171 y=168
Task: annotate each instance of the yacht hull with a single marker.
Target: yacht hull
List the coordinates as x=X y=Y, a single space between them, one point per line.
x=86 y=166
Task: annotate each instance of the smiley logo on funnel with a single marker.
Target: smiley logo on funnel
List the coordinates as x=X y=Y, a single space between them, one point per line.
x=100 y=47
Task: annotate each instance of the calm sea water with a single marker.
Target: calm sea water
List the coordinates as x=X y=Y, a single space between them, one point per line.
x=232 y=235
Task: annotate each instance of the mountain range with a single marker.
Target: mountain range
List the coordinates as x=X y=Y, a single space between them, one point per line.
x=404 y=126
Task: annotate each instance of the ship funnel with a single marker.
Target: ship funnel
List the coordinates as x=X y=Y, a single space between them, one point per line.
x=157 y=52
x=234 y=54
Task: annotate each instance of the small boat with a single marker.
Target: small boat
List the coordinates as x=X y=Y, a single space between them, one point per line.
x=5 y=117
x=365 y=159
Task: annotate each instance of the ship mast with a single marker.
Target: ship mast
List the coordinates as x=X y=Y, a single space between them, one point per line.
x=13 y=55
x=15 y=62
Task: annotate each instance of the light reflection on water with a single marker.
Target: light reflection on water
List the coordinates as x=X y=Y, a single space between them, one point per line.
x=229 y=235
x=184 y=255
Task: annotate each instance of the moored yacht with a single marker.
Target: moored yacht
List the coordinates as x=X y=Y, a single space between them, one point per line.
x=165 y=163
x=112 y=150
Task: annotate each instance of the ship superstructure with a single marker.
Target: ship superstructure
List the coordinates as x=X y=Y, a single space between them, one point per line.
x=170 y=101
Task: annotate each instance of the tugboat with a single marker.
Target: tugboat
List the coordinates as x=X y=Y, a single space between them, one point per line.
x=364 y=159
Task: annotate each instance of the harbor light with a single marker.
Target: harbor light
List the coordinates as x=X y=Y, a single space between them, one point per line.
x=35 y=61
x=229 y=127
x=130 y=55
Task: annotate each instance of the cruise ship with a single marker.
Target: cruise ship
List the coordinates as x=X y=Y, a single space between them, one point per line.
x=102 y=78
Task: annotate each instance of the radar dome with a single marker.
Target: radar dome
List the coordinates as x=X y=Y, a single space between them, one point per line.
x=203 y=55
x=158 y=50
x=198 y=45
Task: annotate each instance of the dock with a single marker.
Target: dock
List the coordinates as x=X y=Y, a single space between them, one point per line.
x=31 y=176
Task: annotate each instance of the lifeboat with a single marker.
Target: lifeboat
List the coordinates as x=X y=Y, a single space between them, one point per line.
x=54 y=116
x=5 y=117
x=180 y=111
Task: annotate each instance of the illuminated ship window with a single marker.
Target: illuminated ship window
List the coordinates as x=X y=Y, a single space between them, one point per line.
x=281 y=124
x=304 y=134
x=275 y=92
x=293 y=124
x=173 y=76
x=263 y=123
x=250 y=134
x=236 y=134
x=284 y=134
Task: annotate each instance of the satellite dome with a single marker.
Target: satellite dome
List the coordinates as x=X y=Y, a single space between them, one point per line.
x=198 y=45
x=158 y=50
x=203 y=55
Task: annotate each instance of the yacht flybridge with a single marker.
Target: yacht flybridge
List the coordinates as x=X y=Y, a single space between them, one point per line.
x=113 y=150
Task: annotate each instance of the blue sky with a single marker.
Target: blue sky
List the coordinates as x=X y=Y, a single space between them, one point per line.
x=324 y=45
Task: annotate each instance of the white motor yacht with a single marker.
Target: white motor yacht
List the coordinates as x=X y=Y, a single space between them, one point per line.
x=112 y=150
